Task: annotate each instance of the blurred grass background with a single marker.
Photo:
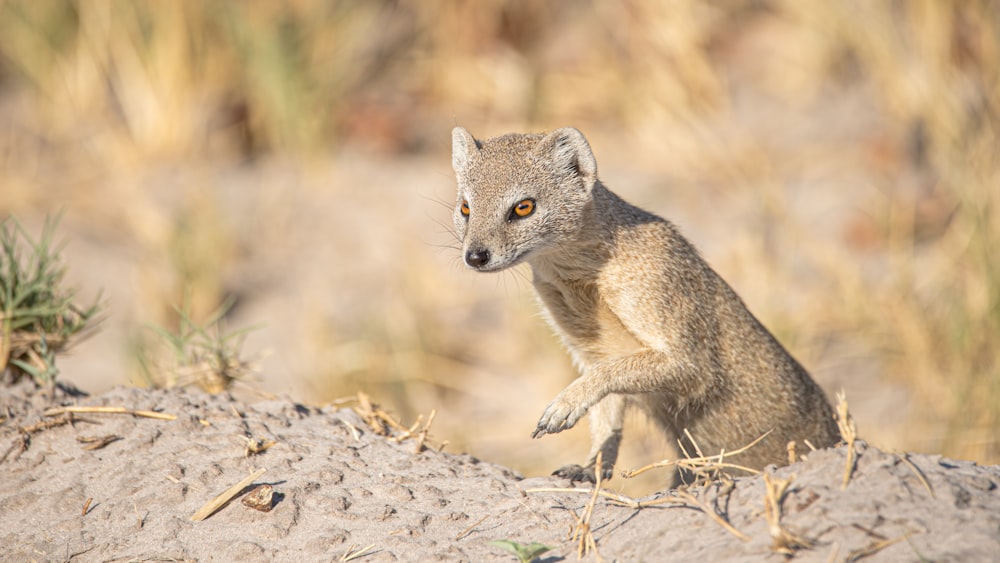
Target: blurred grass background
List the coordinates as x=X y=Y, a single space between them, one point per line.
x=835 y=161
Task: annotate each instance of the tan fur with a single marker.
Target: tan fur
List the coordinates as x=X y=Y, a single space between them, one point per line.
x=647 y=321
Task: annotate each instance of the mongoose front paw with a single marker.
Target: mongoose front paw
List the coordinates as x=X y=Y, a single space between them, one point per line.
x=579 y=474
x=558 y=416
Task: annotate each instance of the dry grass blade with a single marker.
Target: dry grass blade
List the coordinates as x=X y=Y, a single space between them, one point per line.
x=378 y=420
x=682 y=498
x=782 y=540
x=355 y=433
x=849 y=431
x=905 y=457
x=616 y=498
x=408 y=433
x=694 y=442
x=97 y=442
x=256 y=445
x=384 y=424
x=351 y=554
x=582 y=534
x=109 y=410
x=701 y=464
x=688 y=498
x=872 y=549
x=139 y=520
x=24 y=439
x=422 y=437
x=468 y=530
x=47 y=424
x=227 y=495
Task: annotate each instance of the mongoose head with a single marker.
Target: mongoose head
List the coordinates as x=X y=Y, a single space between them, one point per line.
x=520 y=196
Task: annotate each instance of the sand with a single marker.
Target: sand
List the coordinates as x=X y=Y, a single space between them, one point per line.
x=343 y=491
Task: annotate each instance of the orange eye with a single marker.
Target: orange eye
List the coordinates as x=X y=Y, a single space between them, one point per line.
x=464 y=208
x=524 y=208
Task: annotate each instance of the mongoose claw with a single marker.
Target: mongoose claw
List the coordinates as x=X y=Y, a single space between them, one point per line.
x=558 y=416
x=580 y=474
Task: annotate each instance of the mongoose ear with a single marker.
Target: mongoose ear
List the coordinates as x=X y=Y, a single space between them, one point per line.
x=571 y=152
x=462 y=145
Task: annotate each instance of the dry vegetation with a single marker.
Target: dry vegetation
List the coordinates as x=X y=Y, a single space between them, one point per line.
x=842 y=154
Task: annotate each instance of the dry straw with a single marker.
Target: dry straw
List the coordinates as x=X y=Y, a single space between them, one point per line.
x=782 y=540
x=583 y=535
x=704 y=466
x=354 y=553
x=108 y=410
x=707 y=468
x=849 y=432
x=216 y=503
x=384 y=424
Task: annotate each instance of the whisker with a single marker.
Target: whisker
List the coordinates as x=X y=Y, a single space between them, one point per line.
x=449 y=205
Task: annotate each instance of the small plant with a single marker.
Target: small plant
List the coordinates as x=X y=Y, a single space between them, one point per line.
x=524 y=553
x=38 y=318
x=199 y=354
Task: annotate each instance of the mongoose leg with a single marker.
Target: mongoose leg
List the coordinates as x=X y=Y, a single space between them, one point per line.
x=606 y=418
x=648 y=371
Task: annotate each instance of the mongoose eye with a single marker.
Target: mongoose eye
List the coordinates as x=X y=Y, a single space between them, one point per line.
x=464 y=208
x=524 y=208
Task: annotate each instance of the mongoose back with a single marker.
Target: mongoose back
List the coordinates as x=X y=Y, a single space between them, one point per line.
x=646 y=320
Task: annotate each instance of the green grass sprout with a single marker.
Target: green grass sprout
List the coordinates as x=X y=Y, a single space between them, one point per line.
x=202 y=354
x=524 y=553
x=38 y=316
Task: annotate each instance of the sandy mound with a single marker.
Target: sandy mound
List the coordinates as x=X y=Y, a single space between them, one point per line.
x=340 y=488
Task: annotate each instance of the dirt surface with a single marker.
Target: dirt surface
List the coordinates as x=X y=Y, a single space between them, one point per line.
x=339 y=488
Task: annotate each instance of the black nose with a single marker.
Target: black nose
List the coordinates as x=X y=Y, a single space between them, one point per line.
x=477 y=257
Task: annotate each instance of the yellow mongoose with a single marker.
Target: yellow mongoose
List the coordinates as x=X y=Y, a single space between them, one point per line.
x=646 y=320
